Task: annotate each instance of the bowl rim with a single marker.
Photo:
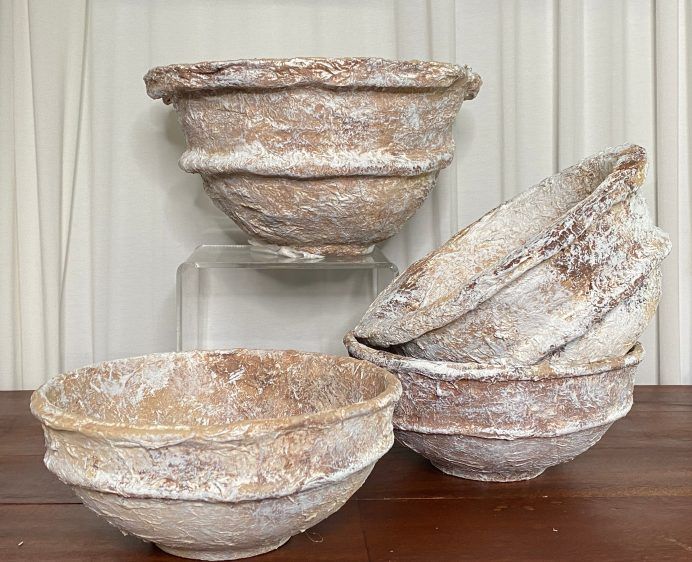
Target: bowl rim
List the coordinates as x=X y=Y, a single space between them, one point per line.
x=386 y=325
x=338 y=72
x=158 y=435
x=545 y=370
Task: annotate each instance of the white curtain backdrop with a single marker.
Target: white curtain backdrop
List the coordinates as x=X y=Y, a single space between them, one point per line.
x=95 y=215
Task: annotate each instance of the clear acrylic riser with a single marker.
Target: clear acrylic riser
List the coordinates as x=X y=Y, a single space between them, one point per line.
x=239 y=296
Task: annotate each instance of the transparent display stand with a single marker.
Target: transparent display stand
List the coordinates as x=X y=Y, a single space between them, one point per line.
x=239 y=296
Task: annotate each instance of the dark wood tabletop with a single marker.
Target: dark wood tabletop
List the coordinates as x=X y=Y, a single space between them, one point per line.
x=628 y=498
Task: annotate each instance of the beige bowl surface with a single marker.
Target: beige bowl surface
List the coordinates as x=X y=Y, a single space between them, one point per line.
x=504 y=423
x=217 y=454
x=506 y=244
x=564 y=298
x=322 y=155
x=614 y=334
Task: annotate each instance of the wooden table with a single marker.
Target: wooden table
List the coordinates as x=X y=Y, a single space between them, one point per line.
x=628 y=498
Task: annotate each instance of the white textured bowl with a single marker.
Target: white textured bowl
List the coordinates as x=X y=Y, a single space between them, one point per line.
x=532 y=275
x=504 y=423
x=564 y=298
x=217 y=455
x=326 y=156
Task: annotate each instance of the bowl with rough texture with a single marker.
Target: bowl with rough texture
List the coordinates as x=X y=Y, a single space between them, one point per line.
x=563 y=299
x=614 y=334
x=504 y=423
x=534 y=274
x=324 y=156
x=217 y=455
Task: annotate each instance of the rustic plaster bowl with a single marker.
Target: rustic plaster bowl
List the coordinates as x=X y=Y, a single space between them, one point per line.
x=532 y=275
x=504 y=423
x=563 y=297
x=325 y=156
x=217 y=455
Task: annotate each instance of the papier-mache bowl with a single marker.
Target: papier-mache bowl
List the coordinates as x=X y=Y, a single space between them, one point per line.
x=217 y=455
x=534 y=274
x=504 y=423
x=318 y=155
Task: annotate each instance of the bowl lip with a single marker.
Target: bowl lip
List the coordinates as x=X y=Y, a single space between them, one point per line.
x=383 y=326
x=158 y=435
x=437 y=371
x=339 y=72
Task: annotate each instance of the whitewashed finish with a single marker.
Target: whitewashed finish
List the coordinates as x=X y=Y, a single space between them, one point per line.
x=505 y=423
x=500 y=246
x=614 y=334
x=318 y=155
x=560 y=300
x=533 y=274
x=217 y=455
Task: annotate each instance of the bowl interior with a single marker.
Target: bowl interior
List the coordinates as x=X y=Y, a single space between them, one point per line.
x=210 y=388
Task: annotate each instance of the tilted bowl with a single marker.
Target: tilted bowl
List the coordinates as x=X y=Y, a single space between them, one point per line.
x=217 y=455
x=529 y=276
x=504 y=423
x=326 y=156
x=563 y=298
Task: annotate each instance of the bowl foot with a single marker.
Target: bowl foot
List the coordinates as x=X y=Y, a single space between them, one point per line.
x=222 y=553
x=483 y=476
x=338 y=249
x=310 y=251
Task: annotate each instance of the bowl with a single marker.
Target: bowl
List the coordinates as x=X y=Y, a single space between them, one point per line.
x=507 y=423
x=506 y=244
x=322 y=156
x=563 y=298
x=217 y=455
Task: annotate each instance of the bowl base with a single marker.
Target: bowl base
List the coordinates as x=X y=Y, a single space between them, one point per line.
x=469 y=474
x=336 y=249
x=222 y=553
x=310 y=251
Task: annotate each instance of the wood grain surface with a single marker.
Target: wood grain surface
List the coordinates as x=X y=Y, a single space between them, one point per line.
x=628 y=498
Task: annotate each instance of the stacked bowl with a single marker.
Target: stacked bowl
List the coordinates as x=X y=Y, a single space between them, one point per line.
x=515 y=341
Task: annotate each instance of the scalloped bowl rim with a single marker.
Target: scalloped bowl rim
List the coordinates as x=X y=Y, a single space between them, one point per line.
x=169 y=80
